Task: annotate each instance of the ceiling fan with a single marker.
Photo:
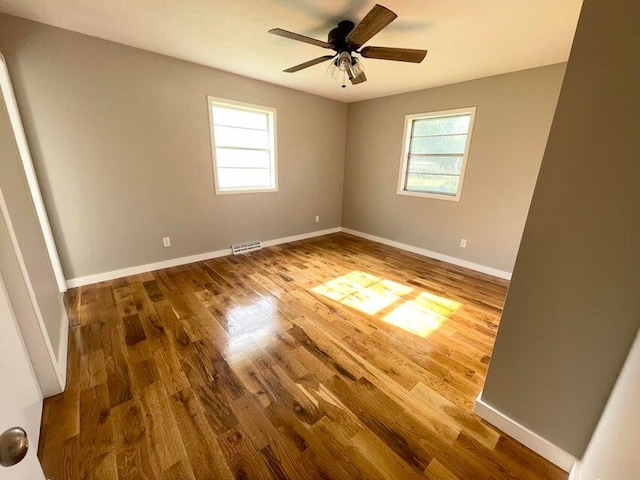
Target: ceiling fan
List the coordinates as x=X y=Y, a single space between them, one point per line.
x=347 y=40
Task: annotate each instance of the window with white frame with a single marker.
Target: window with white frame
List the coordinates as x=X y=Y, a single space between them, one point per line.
x=434 y=153
x=243 y=138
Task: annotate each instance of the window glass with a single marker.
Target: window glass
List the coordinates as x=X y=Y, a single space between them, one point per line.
x=435 y=153
x=243 y=138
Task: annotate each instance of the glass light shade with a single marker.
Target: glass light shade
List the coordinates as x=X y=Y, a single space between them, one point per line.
x=345 y=64
x=333 y=70
x=356 y=67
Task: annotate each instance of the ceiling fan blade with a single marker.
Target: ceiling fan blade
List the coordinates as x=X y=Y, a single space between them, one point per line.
x=377 y=18
x=359 y=79
x=310 y=63
x=301 y=38
x=397 y=54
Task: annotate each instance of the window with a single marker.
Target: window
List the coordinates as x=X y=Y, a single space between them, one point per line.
x=434 y=153
x=244 y=147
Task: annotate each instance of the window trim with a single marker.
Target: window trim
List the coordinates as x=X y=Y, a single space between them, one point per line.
x=273 y=124
x=406 y=142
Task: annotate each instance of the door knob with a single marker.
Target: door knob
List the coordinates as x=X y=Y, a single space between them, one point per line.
x=13 y=446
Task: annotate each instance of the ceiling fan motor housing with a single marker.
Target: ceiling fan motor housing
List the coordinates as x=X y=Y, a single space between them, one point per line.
x=346 y=40
x=338 y=36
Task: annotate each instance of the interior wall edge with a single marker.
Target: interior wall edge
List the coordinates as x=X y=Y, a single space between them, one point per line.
x=30 y=316
x=29 y=171
x=574 y=474
x=525 y=436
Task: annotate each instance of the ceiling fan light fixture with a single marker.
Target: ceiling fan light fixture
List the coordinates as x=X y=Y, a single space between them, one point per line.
x=345 y=64
x=340 y=65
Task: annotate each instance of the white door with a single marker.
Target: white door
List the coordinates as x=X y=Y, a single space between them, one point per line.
x=20 y=396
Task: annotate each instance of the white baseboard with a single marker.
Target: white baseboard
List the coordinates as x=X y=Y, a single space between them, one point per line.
x=528 y=438
x=174 y=262
x=435 y=255
x=574 y=474
x=149 y=267
x=63 y=345
x=302 y=236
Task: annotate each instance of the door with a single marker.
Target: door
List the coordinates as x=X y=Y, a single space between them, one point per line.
x=20 y=396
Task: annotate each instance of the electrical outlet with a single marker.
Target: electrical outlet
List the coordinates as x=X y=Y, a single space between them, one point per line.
x=317 y=218
x=166 y=241
x=463 y=243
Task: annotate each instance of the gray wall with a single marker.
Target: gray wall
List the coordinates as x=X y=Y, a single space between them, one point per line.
x=574 y=304
x=513 y=118
x=28 y=234
x=121 y=146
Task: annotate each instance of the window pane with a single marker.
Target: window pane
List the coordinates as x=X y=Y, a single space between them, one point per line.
x=233 y=178
x=426 y=183
x=244 y=147
x=434 y=164
x=242 y=158
x=441 y=125
x=239 y=118
x=446 y=144
x=241 y=138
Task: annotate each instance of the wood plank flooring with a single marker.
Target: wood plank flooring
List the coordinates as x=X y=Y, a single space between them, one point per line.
x=330 y=358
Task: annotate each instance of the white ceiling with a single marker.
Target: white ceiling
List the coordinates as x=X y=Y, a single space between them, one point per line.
x=466 y=39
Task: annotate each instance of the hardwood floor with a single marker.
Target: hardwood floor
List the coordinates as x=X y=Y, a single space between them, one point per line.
x=330 y=358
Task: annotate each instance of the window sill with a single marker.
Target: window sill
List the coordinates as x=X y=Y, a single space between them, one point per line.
x=450 y=198
x=258 y=190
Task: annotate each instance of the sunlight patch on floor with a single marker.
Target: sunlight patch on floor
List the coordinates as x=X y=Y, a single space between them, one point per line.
x=369 y=294
x=422 y=315
x=362 y=291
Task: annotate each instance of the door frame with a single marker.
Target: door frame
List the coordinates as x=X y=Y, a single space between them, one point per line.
x=50 y=366
x=29 y=170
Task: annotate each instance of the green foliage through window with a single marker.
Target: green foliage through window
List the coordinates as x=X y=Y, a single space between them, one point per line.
x=435 y=153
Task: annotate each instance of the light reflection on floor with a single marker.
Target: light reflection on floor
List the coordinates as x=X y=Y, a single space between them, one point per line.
x=417 y=312
x=248 y=332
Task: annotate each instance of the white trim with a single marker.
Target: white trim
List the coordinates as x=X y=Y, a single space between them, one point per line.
x=174 y=262
x=36 y=335
x=148 y=267
x=522 y=434
x=302 y=236
x=30 y=173
x=437 y=196
x=272 y=122
x=574 y=474
x=236 y=192
x=435 y=255
x=406 y=142
x=63 y=346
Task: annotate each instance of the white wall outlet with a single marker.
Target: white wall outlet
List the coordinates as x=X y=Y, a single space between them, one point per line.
x=317 y=218
x=463 y=243
x=166 y=241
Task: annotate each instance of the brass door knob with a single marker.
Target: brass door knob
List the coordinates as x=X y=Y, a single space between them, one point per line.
x=13 y=446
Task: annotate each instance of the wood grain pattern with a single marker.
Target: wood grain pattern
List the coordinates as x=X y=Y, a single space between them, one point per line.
x=330 y=358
